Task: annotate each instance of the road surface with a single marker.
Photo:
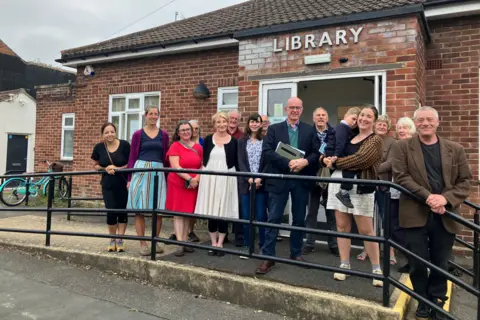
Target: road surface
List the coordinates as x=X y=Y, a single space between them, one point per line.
x=35 y=288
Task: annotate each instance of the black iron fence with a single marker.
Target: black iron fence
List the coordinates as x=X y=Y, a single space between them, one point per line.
x=387 y=279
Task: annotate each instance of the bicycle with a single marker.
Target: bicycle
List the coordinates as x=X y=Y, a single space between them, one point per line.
x=14 y=190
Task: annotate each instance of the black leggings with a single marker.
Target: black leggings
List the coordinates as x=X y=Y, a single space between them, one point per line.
x=217 y=225
x=116 y=198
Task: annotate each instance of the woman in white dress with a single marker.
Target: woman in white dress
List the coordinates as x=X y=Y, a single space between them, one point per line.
x=218 y=195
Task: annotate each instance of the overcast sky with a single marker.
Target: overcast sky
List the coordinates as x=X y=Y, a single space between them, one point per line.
x=37 y=30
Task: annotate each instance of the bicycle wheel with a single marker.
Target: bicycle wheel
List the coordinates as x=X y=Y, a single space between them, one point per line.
x=63 y=188
x=13 y=192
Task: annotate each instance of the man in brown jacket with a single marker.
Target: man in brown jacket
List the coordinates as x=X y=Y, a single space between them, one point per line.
x=436 y=170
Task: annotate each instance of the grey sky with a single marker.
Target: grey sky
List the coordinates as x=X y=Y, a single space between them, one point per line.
x=37 y=30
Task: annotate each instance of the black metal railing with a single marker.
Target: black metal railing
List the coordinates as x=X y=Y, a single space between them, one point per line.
x=385 y=239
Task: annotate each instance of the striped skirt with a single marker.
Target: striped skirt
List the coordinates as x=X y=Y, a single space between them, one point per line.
x=140 y=193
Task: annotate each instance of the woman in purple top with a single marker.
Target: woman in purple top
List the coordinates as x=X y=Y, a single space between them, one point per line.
x=148 y=150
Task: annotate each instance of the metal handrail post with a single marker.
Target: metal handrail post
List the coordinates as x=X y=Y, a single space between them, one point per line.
x=251 y=218
x=153 y=249
x=476 y=260
x=69 y=197
x=386 y=248
x=27 y=191
x=51 y=188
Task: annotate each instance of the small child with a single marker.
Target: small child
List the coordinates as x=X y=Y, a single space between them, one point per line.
x=343 y=135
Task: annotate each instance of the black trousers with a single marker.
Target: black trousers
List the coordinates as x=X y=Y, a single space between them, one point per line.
x=398 y=233
x=217 y=226
x=431 y=242
x=311 y=218
x=116 y=198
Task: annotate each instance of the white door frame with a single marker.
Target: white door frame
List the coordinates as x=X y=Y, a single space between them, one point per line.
x=380 y=105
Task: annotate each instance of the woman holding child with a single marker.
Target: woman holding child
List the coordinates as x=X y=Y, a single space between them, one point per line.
x=362 y=154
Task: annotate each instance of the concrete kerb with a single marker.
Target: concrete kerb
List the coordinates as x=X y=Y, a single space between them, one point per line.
x=298 y=303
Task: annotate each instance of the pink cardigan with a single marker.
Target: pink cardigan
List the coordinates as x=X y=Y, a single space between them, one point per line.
x=135 y=149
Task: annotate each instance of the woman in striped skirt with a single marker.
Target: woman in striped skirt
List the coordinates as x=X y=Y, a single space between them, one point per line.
x=148 y=150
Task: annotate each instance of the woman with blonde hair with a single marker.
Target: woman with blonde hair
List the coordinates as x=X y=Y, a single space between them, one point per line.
x=218 y=195
x=148 y=150
x=196 y=137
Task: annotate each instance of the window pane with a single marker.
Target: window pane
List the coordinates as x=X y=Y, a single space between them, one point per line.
x=133 y=124
x=152 y=101
x=116 y=122
x=230 y=98
x=277 y=99
x=133 y=104
x=68 y=121
x=118 y=104
x=68 y=144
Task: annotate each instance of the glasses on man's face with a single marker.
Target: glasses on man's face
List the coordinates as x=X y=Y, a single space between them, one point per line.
x=184 y=130
x=195 y=129
x=294 y=108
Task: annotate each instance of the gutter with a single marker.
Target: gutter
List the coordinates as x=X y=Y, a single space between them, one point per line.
x=154 y=51
x=157 y=45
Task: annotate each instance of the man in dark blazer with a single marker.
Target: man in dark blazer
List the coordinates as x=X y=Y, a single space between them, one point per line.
x=435 y=169
x=301 y=136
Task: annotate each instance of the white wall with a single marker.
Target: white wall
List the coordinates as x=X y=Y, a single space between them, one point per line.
x=331 y=94
x=17 y=119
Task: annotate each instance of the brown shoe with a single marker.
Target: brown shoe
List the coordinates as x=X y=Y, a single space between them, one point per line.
x=300 y=259
x=265 y=267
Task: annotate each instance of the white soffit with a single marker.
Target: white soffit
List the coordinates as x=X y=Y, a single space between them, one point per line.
x=191 y=47
x=453 y=10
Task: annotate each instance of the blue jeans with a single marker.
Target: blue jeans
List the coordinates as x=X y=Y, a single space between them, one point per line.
x=276 y=207
x=260 y=215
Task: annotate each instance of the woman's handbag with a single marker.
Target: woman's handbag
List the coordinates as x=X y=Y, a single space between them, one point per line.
x=323 y=172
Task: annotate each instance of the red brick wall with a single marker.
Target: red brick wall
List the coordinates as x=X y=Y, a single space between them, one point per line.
x=453 y=88
x=381 y=42
x=174 y=76
x=52 y=102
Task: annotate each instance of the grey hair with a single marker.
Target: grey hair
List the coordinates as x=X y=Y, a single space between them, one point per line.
x=407 y=122
x=193 y=121
x=320 y=108
x=229 y=114
x=385 y=118
x=425 y=108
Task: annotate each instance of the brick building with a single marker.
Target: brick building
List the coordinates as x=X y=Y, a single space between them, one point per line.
x=253 y=56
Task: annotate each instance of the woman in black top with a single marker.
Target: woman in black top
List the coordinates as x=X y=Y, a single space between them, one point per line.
x=110 y=155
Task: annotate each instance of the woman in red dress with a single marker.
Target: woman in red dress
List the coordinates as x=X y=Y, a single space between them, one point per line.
x=182 y=188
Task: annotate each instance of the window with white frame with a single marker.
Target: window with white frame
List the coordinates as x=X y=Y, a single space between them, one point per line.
x=227 y=99
x=127 y=111
x=68 y=127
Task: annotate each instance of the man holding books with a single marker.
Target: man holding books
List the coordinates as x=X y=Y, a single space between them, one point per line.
x=290 y=147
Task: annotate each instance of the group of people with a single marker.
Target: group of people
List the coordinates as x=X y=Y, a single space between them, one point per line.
x=360 y=146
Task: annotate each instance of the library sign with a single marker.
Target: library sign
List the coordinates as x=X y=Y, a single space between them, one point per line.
x=343 y=36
